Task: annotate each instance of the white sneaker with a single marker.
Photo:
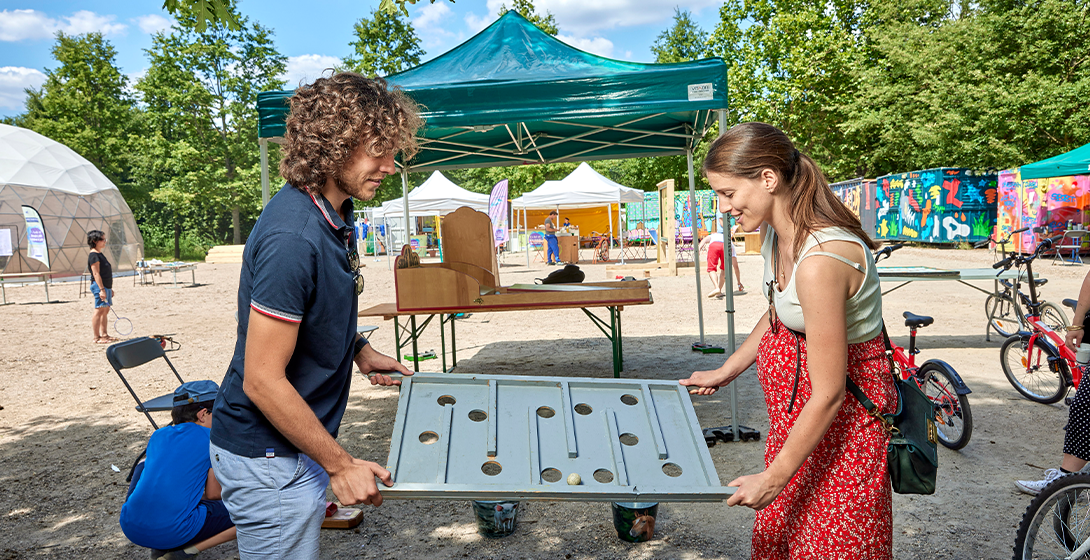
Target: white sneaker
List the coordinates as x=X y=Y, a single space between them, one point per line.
x=1034 y=487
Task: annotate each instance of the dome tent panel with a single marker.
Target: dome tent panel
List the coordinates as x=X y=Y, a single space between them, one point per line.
x=72 y=196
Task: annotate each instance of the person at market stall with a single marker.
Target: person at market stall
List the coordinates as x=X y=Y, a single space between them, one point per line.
x=1076 y=449
x=825 y=491
x=102 y=286
x=552 y=254
x=713 y=245
x=273 y=443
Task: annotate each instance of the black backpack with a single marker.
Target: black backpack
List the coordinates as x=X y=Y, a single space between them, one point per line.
x=570 y=274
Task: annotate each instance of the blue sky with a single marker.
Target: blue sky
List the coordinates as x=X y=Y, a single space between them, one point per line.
x=315 y=35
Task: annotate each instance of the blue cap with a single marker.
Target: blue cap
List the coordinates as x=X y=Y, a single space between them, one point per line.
x=195 y=392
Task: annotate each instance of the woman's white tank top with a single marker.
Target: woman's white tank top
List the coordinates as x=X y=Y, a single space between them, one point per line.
x=863 y=309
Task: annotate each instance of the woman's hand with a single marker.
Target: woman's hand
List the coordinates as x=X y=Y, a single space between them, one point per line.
x=1074 y=338
x=708 y=382
x=755 y=491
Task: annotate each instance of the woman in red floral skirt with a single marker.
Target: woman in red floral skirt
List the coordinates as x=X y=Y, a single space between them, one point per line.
x=825 y=490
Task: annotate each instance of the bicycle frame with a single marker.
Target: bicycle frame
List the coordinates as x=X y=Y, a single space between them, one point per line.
x=1042 y=331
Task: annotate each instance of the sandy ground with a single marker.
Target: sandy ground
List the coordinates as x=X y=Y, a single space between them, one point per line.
x=67 y=419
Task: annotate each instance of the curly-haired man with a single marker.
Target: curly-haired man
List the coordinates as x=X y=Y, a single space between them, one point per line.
x=273 y=444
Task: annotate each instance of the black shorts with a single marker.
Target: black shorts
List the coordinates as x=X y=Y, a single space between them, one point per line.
x=216 y=522
x=1077 y=439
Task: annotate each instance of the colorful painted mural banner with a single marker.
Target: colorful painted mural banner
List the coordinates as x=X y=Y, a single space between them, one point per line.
x=1054 y=203
x=497 y=212
x=859 y=196
x=945 y=205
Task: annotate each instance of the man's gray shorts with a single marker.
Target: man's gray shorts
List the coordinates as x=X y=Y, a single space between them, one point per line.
x=277 y=503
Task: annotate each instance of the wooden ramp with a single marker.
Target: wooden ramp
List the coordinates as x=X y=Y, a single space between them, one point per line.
x=225 y=254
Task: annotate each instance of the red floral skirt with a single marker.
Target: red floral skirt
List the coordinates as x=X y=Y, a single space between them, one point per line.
x=838 y=505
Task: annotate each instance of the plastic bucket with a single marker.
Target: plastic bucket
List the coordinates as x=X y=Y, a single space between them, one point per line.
x=496 y=519
x=635 y=521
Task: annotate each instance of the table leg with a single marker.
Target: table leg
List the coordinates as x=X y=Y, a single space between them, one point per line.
x=453 y=345
x=620 y=340
x=397 y=340
x=443 y=340
x=193 y=276
x=416 y=352
x=45 y=282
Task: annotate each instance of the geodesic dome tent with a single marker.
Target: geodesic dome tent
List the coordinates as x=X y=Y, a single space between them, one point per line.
x=72 y=196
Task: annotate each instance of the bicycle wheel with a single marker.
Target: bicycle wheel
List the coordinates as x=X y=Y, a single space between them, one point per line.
x=1053 y=316
x=953 y=418
x=1006 y=317
x=1057 y=521
x=1037 y=373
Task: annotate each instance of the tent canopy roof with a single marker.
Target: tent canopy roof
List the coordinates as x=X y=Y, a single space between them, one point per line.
x=583 y=187
x=513 y=94
x=29 y=159
x=1075 y=162
x=437 y=195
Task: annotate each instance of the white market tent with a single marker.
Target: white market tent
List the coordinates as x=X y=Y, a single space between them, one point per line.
x=582 y=188
x=437 y=196
x=71 y=195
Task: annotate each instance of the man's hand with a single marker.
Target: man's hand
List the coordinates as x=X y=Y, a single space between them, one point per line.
x=355 y=483
x=375 y=365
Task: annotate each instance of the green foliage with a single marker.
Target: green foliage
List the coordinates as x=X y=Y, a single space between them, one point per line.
x=205 y=11
x=200 y=97
x=159 y=243
x=683 y=42
x=385 y=44
x=525 y=8
x=395 y=6
x=84 y=104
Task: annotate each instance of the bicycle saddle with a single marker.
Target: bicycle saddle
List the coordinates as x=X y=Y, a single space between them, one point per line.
x=1072 y=303
x=914 y=321
x=1040 y=281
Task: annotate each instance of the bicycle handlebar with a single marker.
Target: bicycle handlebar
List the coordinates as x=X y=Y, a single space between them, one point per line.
x=1019 y=260
x=1004 y=264
x=886 y=251
x=1006 y=239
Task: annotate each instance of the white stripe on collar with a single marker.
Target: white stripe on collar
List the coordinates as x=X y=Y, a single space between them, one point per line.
x=322 y=208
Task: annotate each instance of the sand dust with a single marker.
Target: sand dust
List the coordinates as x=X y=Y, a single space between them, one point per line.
x=67 y=419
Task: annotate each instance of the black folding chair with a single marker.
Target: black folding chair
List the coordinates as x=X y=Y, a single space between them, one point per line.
x=137 y=352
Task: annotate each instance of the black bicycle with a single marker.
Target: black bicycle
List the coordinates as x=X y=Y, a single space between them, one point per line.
x=1006 y=310
x=1057 y=522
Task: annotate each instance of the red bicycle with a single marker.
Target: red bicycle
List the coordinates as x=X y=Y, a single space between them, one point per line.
x=936 y=378
x=1038 y=362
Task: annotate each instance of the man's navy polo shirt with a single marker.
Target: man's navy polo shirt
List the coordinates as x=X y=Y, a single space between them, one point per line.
x=294 y=268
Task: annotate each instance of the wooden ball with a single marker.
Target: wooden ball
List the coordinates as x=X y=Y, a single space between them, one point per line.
x=574 y=479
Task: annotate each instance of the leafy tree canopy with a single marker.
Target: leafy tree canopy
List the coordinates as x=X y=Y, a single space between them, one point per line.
x=386 y=43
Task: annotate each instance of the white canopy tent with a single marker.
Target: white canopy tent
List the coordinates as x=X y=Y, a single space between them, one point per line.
x=582 y=188
x=438 y=196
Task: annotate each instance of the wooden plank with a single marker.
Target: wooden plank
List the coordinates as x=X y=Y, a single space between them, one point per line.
x=492 y=395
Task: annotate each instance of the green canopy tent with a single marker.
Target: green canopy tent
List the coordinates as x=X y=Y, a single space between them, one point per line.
x=1075 y=162
x=514 y=95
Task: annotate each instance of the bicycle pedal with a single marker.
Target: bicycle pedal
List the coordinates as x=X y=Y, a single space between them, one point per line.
x=1068 y=400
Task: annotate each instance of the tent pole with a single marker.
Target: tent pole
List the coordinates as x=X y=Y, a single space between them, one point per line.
x=620 y=222
x=728 y=269
x=386 y=242
x=696 y=252
x=405 y=199
x=526 y=230
x=264 y=172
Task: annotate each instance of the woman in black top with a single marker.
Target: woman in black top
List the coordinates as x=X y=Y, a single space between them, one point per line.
x=102 y=285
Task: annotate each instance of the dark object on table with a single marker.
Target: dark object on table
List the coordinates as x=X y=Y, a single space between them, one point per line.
x=570 y=274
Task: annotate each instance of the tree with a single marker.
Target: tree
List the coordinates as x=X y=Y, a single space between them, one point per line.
x=84 y=104
x=201 y=100
x=683 y=42
x=546 y=23
x=385 y=44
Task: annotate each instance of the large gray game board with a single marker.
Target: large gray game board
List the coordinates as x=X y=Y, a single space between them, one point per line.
x=499 y=437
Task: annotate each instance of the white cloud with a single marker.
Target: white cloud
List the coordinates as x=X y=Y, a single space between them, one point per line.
x=15 y=79
x=19 y=25
x=597 y=45
x=431 y=14
x=581 y=17
x=306 y=68
x=477 y=23
x=152 y=23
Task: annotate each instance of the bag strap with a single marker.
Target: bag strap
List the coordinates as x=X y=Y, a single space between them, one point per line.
x=872 y=409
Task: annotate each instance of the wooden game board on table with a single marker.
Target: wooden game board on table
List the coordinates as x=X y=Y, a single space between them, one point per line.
x=468 y=282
